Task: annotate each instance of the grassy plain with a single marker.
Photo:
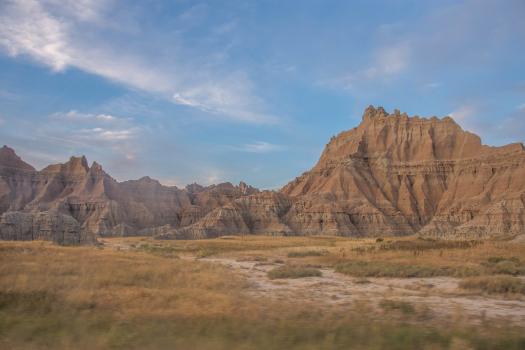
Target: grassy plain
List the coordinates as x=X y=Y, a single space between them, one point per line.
x=137 y=293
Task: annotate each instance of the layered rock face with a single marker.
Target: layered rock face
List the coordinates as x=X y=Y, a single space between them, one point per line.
x=49 y=225
x=399 y=175
x=391 y=175
x=79 y=202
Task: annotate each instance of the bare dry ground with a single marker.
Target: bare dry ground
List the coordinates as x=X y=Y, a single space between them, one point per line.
x=263 y=293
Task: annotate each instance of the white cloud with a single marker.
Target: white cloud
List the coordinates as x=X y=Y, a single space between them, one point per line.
x=172 y=182
x=388 y=61
x=26 y=28
x=74 y=34
x=76 y=116
x=8 y=95
x=433 y=85
x=468 y=117
x=463 y=113
x=260 y=147
x=102 y=134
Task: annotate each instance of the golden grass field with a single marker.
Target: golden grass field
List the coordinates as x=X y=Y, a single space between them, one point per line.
x=140 y=293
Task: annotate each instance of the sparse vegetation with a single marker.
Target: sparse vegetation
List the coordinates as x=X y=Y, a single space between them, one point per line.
x=398 y=305
x=428 y=244
x=495 y=284
x=361 y=281
x=139 y=298
x=305 y=253
x=288 y=271
x=504 y=266
x=401 y=270
x=159 y=250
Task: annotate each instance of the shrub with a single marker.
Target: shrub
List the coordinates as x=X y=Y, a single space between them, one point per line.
x=302 y=254
x=160 y=250
x=205 y=252
x=428 y=244
x=288 y=271
x=495 y=284
x=361 y=281
x=403 y=306
x=388 y=269
x=505 y=266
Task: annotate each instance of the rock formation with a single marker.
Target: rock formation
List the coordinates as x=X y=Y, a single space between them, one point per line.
x=391 y=175
x=48 y=225
x=73 y=193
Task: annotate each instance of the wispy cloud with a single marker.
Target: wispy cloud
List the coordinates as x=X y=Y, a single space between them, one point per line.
x=102 y=134
x=388 y=61
x=433 y=85
x=506 y=128
x=465 y=116
x=74 y=34
x=8 y=95
x=97 y=132
x=76 y=116
x=259 y=147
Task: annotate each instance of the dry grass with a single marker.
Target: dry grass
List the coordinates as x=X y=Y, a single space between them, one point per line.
x=495 y=285
x=401 y=270
x=397 y=305
x=289 y=271
x=87 y=298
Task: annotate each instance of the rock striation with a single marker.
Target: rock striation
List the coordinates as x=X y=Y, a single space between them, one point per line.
x=81 y=201
x=391 y=175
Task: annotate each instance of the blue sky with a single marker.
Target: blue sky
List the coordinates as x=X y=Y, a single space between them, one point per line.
x=216 y=91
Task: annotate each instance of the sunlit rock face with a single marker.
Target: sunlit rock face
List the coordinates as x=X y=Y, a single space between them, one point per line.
x=392 y=175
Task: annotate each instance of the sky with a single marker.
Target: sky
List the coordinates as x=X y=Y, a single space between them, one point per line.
x=214 y=91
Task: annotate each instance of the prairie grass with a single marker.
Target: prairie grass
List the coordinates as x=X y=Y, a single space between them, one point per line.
x=55 y=297
x=401 y=270
x=288 y=271
x=495 y=284
x=159 y=250
x=305 y=253
x=397 y=305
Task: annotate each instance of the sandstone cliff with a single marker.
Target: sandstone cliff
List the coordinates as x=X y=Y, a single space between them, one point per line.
x=73 y=193
x=391 y=175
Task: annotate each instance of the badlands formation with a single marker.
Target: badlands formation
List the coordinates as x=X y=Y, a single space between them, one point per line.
x=391 y=175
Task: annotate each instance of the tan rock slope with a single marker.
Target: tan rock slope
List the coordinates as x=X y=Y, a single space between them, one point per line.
x=85 y=202
x=391 y=175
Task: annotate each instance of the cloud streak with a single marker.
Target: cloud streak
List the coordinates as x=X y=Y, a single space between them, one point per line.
x=73 y=34
x=259 y=147
x=388 y=62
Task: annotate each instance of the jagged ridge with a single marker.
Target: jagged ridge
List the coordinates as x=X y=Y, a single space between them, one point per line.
x=397 y=175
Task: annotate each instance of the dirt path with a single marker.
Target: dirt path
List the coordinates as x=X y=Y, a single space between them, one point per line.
x=437 y=297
